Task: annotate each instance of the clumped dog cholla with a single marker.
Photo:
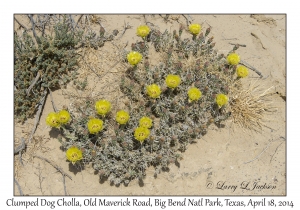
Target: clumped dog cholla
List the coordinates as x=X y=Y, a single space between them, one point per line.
x=171 y=104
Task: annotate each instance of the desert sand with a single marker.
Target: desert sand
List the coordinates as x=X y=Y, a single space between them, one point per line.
x=224 y=158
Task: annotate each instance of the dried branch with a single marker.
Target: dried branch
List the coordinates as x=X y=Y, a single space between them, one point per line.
x=33 y=28
x=64 y=182
x=91 y=68
x=19 y=187
x=78 y=20
x=251 y=67
x=126 y=26
x=20 y=147
x=187 y=20
x=33 y=83
x=277 y=148
x=259 y=154
x=38 y=114
x=52 y=101
x=20 y=158
x=72 y=22
x=20 y=24
x=240 y=45
x=19 y=150
x=54 y=165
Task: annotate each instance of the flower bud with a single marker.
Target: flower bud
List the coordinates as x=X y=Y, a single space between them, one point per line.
x=210 y=40
x=115 y=32
x=207 y=31
x=102 y=31
x=147 y=64
x=161 y=139
x=206 y=64
x=93 y=153
x=174 y=33
x=172 y=116
x=200 y=36
x=142 y=45
x=236 y=47
x=159 y=157
x=133 y=46
x=124 y=144
x=180 y=29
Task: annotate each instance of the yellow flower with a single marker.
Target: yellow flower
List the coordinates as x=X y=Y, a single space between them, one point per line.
x=221 y=99
x=173 y=81
x=195 y=28
x=233 y=59
x=74 y=154
x=153 y=91
x=122 y=117
x=102 y=107
x=64 y=117
x=95 y=125
x=53 y=120
x=194 y=94
x=242 y=71
x=143 y=31
x=141 y=134
x=145 y=122
x=134 y=57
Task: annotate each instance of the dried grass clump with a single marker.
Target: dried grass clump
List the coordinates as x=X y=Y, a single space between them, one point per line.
x=250 y=105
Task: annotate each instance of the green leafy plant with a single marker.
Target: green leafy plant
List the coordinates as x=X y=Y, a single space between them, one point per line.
x=49 y=62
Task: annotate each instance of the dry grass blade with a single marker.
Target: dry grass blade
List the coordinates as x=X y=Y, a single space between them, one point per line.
x=249 y=106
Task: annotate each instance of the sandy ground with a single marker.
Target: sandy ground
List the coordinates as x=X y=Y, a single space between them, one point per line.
x=226 y=161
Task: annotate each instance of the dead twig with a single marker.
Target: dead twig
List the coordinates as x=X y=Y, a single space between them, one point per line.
x=20 y=147
x=41 y=179
x=64 y=182
x=240 y=45
x=78 y=20
x=251 y=67
x=187 y=20
x=277 y=148
x=72 y=22
x=91 y=68
x=126 y=26
x=33 y=83
x=38 y=114
x=265 y=150
x=33 y=28
x=52 y=101
x=54 y=165
x=20 y=158
x=19 y=150
x=59 y=169
x=259 y=154
x=20 y=24
x=19 y=187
